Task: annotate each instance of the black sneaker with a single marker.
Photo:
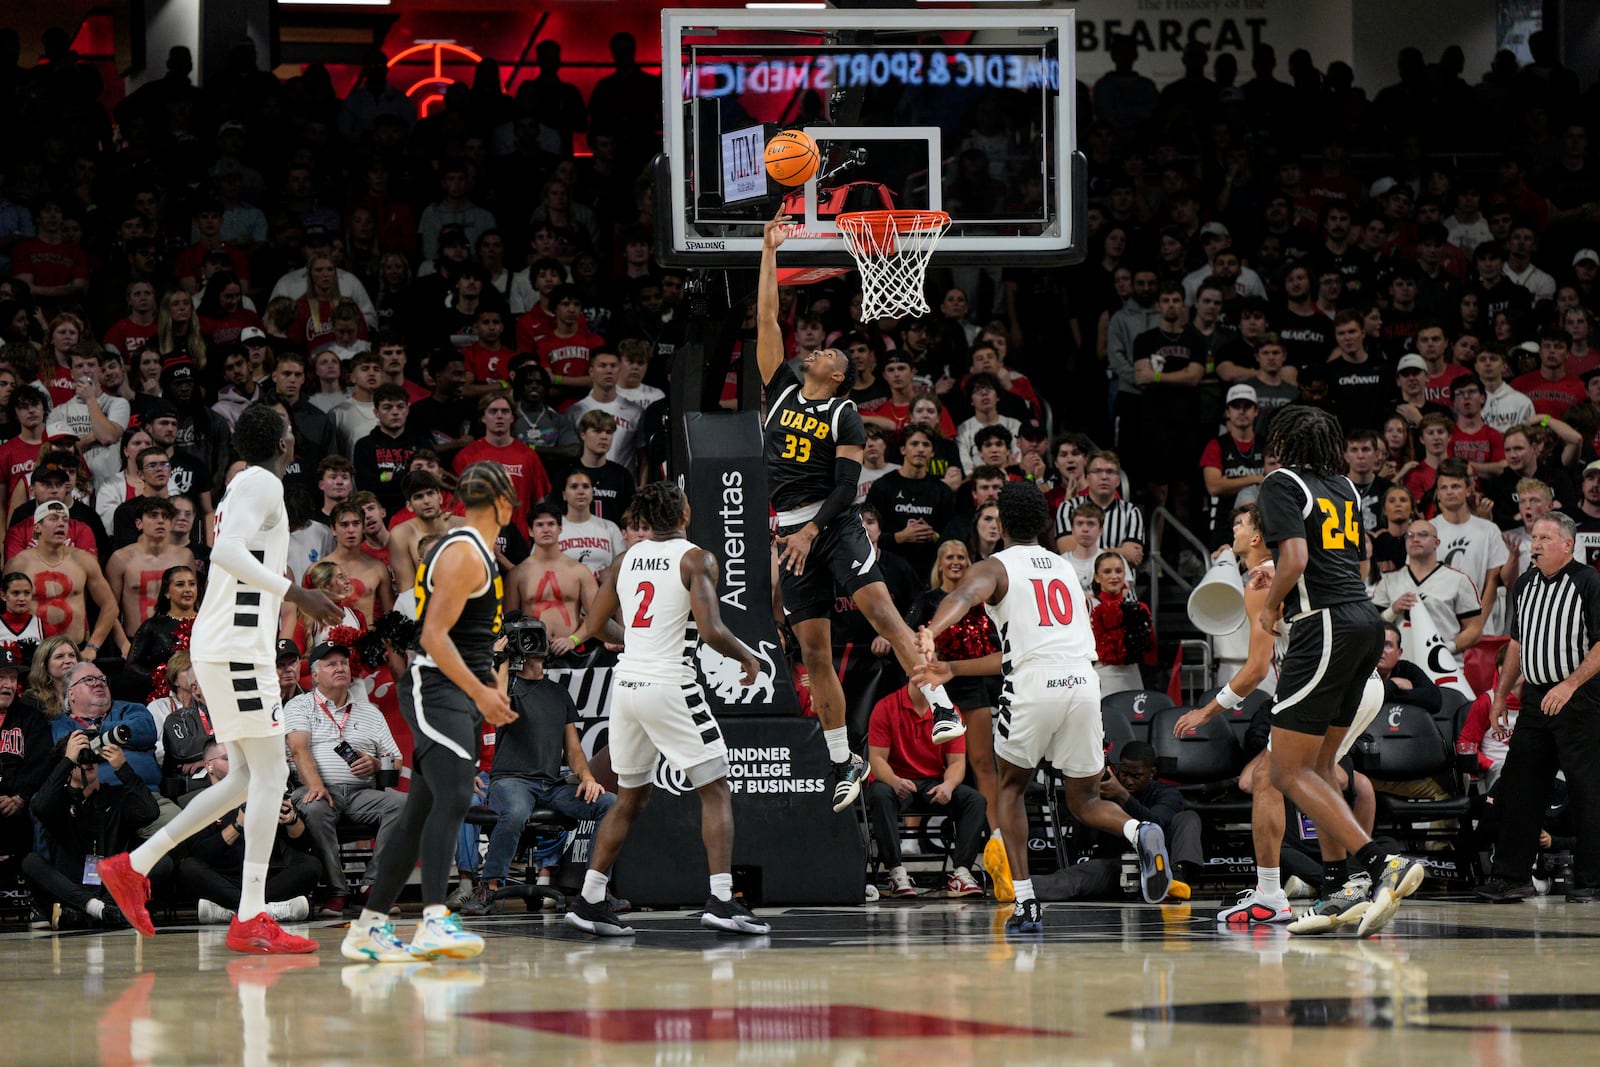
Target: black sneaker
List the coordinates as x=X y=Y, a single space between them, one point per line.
x=732 y=917
x=597 y=919
x=1027 y=917
x=947 y=724
x=1582 y=894
x=1503 y=891
x=112 y=918
x=847 y=776
x=481 y=902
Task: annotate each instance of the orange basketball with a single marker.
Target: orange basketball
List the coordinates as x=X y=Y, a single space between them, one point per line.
x=792 y=157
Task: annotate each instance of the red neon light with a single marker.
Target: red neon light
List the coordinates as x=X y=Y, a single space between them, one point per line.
x=438 y=80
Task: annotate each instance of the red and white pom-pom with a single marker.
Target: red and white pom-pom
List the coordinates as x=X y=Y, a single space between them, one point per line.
x=342 y=635
x=183 y=634
x=160 y=688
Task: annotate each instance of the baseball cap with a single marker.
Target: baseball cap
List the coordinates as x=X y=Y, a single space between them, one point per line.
x=324 y=649
x=252 y=333
x=49 y=507
x=161 y=409
x=1214 y=229
x=1592 y=468
x=452 y=235
x=316 y=235
x=1241 y=392
x=1586 y=255
x=10 y=659
x=176 y=368
x=895 y=357
x=52 y=469
x=287 y=649
x=1033 y=430
x=1411 y=362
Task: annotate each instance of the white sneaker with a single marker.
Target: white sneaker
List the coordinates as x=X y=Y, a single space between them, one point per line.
x=1256 y=908
x=213 y=914
x=442 y=935
x=900 y=883
x=1295 y=889
x=374 y=944
x=293 y=910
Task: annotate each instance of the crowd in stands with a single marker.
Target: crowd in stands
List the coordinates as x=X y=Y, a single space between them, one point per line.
x=417 y=293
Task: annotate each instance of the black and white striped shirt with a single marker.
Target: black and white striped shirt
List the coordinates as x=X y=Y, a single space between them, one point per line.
x=1123 y=522
x=1555 y=621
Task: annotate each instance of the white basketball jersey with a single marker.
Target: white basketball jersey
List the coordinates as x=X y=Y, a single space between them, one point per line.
x=1043 y=619
x=238 y=619
x=661 y=632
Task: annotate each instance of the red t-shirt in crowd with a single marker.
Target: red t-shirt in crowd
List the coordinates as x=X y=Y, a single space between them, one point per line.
x=129 y=338
x=309 y=334
x=1485 y=446
x=50 y=264
x=1550 y=398
x=1439 y=385
x=568 y=355
x=521 y=463
x=17 y=458
x=228 y=328
x=57 y=379
x=187 y=264
x=897 y=727
x=885 y=408
x=487 y=364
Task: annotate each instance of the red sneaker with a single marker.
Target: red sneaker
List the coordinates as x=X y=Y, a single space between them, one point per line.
x=130 y=889
x=262 y=936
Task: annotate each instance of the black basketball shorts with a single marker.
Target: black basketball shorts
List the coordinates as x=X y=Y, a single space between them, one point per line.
x=841 y=561
x=440 y=714
x=1332 y=652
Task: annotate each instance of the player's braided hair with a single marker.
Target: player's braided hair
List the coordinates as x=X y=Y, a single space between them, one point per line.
x=482 y=484
x=1024 y=514
x=1307 y=439
x=659 y=506
x=257 y=433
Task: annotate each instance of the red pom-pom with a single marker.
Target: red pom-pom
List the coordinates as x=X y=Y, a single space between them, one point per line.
x=160 y=689
x=183 y=634
x=342 y=635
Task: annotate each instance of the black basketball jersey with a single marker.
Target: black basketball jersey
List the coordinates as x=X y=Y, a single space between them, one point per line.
x=1327 y=513
x=478 y=626
x=802 y=438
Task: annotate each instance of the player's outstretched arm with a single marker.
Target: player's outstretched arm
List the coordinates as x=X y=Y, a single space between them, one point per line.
x=457 y=569
x=1249 y=676
x=769 y=335
x=699 y=572
x=984 y=582
x=600 y=620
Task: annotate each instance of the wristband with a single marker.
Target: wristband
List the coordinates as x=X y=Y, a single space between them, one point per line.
x=1158 y=377
x=556 y=379
x=1227 y=699
x=1545 y=422
x=574 y=639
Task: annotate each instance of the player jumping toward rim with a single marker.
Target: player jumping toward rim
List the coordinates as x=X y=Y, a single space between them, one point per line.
x=1267 y=902
x=1050 y=702
x=814 y=441
x=1311 y=519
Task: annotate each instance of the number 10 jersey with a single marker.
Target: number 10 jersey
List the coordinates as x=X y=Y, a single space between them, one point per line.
x=1043 y=620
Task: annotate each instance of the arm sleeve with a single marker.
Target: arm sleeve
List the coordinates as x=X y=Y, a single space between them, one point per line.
x=846 y=473
x=244 y=514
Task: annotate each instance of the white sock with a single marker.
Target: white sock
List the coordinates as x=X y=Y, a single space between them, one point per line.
x=369 y=919
x=544 y=879
x=1024 y=889
x=95 y=908
x=253 y=896
x=838 y=744
x=898 y=872
x=935 y=694
x=1267 y=881
x=994 y=835
x=722 y=886
x=435 y=911
x=1130 y=830
x=594 y=885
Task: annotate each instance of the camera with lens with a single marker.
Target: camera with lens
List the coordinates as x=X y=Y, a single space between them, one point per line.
x=525 y=639
x=118 y=735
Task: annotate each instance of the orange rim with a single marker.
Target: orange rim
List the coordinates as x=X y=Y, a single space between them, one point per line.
x=880 y=224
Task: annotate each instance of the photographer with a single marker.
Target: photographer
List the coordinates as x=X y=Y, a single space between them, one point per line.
x=25 y=759
x=528 y=755
x=337 y=739
x=216 y=858
x=89 y=708
x=83 y=821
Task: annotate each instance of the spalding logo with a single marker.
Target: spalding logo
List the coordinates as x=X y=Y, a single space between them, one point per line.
x=722 y=675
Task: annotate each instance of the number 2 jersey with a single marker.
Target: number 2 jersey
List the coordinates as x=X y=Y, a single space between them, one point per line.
x=1043 y=620
x=1326 y=511
x=801 y=441
x=661 y=635
x=238 y=619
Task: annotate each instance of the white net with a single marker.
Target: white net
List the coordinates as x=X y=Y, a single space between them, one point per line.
x=891 y=250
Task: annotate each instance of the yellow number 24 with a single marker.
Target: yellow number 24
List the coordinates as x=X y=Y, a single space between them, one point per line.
x=1332 y=535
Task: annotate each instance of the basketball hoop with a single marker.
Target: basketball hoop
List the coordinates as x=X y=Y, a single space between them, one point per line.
x=891 y=249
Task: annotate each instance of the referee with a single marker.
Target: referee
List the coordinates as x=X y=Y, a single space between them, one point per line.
x=1555 y=650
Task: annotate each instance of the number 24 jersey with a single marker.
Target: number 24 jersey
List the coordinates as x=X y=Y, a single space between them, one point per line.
x=1326 y=512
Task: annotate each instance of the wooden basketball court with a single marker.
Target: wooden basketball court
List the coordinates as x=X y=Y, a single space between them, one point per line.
x=908 y=982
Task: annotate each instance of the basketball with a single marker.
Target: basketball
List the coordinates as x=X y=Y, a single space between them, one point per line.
x=792 y=158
